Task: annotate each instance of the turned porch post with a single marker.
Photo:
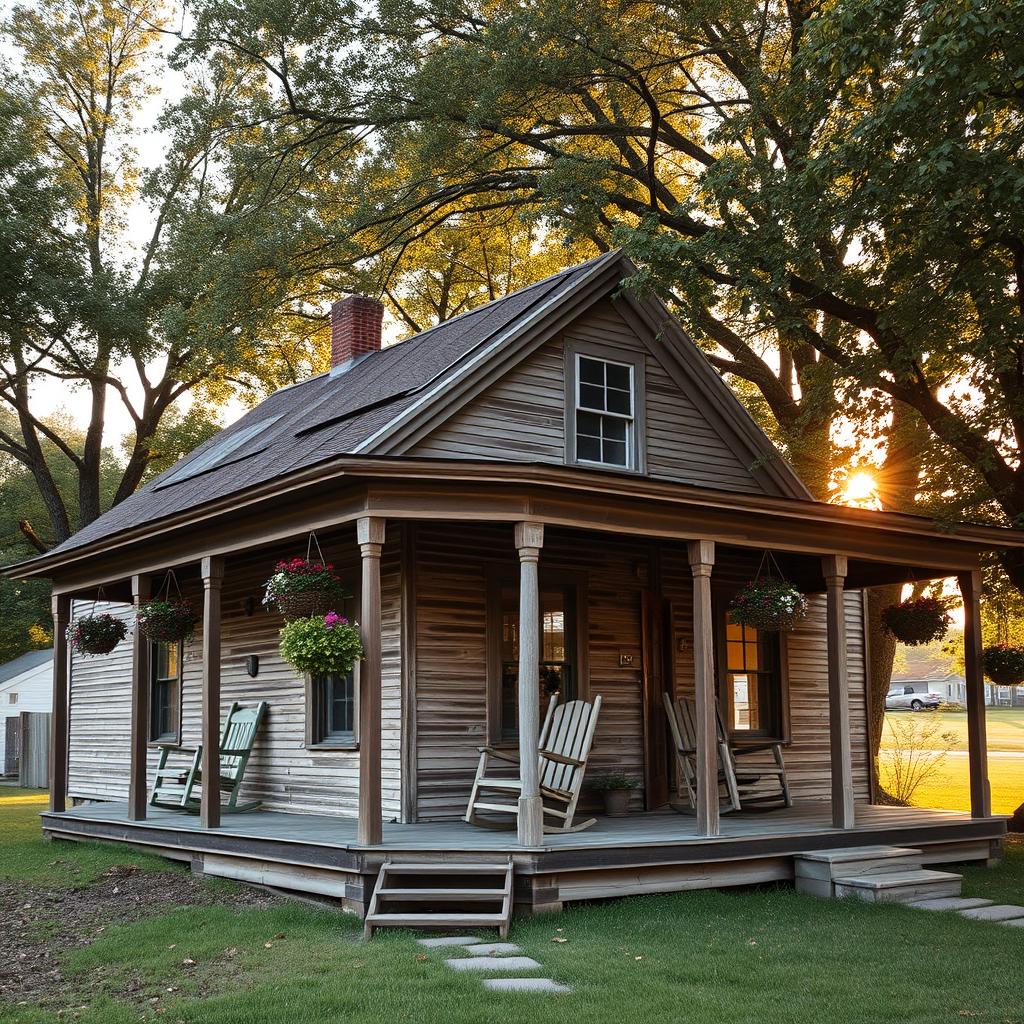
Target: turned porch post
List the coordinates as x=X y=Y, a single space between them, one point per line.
x=59 y=717
x=834 y=568
x=369 y=831
x=529 y=541
x=977 y=747
x=702 y=558
x=137 y=794
x=213 y=578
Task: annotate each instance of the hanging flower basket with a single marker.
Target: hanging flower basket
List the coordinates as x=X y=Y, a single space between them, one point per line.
x=917 y=621
x=168 y=620
x=769 y=604
x=96 y=634
x=321 y=644
x=301 y=587
x=1004 y=664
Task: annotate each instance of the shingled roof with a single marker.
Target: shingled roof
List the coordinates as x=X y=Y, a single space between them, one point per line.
x=332 y=414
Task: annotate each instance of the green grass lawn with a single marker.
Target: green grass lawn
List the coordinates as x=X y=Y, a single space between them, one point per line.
x=766 y=956
x=949 y=786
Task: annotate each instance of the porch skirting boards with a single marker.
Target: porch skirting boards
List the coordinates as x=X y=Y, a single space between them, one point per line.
x=644 y=853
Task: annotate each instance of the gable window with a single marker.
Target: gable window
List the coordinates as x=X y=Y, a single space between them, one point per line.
x=604 y=413
x=751 y=681
x=165 y=702
x=558 y=665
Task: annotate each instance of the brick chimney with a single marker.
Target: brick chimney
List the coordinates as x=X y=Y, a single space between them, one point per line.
x=355 y=329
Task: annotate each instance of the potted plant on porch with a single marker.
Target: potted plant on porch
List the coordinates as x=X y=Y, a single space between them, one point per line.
x=321 y=644
x=616 y=788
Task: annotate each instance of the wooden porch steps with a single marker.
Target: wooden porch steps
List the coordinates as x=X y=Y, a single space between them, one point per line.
x=877 y=874
x=446 y=895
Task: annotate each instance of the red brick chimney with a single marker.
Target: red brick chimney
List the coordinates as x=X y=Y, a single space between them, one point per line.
x=355 y=328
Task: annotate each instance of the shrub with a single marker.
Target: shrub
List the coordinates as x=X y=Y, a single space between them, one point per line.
x=321 y=644
x=96 y=634
x=919 y=746
x=769 y=604
x=167 y=620
x=917 y=621
x=1004 y=664
x=614 y=781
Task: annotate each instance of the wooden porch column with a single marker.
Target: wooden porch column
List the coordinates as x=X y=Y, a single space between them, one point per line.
x=834 y=568
x=213 y=578
x=977 y=746
x=59 y=722
x=702 y=558
x=529 y=541
x=137 y=793
x=369 y=830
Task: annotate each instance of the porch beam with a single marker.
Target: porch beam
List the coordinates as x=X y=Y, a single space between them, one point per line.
x=213 y=579
x=137 y=790
x=370 y=829
x=702 y=559
x=59 y=719
x=977 y=744
x=841 y=749
x=529 y=541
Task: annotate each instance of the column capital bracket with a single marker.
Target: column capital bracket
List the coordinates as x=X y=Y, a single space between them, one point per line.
x=529 y=536
x=370 y=530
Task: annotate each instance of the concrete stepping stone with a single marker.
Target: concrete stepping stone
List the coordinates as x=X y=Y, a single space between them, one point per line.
x=951 y=903
x=449 y=940
x=493 y=963
x=996 y=913
x=525 y=985
x=1016 y=922
x=493 y=949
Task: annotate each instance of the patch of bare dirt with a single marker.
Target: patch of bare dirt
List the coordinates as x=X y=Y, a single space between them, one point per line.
x=38 y=926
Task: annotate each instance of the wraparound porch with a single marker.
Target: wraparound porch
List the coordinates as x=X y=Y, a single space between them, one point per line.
x=651 y=852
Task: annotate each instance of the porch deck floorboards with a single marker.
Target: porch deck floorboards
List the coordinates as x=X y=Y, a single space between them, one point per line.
x=658 y=828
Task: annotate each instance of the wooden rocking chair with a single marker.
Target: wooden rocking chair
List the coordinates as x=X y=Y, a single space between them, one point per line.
x=173 y=785
x=565 y=741
x=740 y=787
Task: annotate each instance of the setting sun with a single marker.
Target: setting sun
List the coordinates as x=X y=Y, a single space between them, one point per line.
x=861 y=490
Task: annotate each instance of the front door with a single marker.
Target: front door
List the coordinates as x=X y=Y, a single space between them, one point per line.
x=656 y=670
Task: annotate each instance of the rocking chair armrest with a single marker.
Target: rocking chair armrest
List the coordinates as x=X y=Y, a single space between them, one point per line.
x=228 y=752
x=501 y=755
x=562 y=759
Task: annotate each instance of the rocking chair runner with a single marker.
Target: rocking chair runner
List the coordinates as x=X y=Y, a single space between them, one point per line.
x=173 y=785
x=565 y=741
x=740 y=787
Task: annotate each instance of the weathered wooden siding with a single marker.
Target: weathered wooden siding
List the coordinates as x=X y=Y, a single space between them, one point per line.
x=522 y=416
x=283 y=773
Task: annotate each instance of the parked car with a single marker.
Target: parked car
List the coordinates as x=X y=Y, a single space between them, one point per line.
x=904 y=698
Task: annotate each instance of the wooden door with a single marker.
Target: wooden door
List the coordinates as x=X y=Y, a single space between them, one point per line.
x=656 y=623
x=12 y=744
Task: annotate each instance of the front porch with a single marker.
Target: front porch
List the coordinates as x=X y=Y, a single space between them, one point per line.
x=653 y=852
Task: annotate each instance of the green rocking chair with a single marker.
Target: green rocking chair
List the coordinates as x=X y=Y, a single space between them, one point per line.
x=173 y=785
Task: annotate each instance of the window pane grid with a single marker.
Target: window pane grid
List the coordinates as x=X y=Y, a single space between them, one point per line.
x=604 y=411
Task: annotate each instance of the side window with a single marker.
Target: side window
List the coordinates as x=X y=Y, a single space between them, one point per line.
x=558 y=668
x=332 y=702
x=165 y=700
x=750 y=673
x=604 y=405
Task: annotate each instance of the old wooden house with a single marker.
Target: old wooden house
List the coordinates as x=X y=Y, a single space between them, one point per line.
x=561 y=467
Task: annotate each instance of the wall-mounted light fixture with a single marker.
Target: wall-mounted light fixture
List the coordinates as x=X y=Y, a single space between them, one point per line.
x=250 y=606
x=252 y=665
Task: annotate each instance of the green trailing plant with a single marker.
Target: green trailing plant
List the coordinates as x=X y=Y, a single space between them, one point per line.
x=96 y=634
x=768 y=603
x=321 y=644
x=918 y=620
x=167 y=619
x=1004 y=664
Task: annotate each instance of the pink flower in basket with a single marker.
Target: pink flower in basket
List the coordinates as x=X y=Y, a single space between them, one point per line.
x=332 y=619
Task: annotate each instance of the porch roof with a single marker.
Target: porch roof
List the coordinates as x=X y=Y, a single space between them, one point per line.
x=882 y=546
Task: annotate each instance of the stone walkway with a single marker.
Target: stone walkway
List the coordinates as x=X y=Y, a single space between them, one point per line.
x=976 y=909
x=500 y=958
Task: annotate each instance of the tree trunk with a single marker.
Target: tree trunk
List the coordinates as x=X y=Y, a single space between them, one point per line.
x=881 y=653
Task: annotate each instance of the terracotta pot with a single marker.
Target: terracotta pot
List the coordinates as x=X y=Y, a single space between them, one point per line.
x=616 y=802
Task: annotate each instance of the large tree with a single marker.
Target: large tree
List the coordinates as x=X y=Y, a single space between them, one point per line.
x=141 y=284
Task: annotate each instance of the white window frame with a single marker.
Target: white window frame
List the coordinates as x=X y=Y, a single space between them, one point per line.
x=635 y=449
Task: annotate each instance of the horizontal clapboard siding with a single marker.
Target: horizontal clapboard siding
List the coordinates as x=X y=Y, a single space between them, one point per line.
x=283 y=772
x=522 y=416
